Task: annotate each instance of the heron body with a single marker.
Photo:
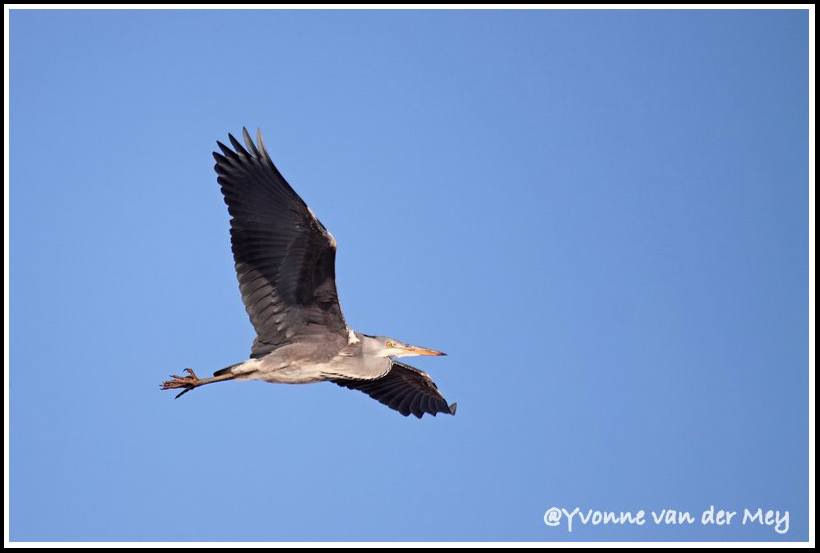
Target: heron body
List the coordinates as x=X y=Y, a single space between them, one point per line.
x=285 y=262
x=328 y=361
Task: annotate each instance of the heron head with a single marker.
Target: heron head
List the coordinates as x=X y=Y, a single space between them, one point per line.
x=390 y=347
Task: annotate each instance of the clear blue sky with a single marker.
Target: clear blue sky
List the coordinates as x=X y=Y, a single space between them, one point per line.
x=602 y=216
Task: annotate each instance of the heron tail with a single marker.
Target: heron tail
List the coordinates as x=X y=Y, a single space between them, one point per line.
x=226 y=370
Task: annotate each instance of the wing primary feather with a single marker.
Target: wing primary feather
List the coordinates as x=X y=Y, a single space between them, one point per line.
x=237 y=146
x=230 y=154
x=249 y=143
x=261 y=144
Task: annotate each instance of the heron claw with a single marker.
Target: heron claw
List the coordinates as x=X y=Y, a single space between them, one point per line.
x=185 y=391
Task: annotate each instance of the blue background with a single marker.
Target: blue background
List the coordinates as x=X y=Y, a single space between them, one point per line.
x=602 y=216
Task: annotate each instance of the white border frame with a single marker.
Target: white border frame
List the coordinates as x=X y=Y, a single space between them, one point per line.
x=811 y=541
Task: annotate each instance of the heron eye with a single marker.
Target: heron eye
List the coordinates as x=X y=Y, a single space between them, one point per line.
x=389 y=344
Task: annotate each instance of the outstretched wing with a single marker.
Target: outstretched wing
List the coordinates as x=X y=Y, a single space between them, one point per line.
x=284 y=257
x=405 y=389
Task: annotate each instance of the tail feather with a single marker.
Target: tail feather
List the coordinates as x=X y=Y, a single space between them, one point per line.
x=226 y=370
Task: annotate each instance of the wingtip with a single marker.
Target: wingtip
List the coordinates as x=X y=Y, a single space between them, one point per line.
x=453 y=408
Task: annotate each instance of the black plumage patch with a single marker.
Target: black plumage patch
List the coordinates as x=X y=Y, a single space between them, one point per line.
x=405 y=389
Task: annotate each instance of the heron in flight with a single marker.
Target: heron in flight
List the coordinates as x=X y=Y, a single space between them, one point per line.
x=285 y=261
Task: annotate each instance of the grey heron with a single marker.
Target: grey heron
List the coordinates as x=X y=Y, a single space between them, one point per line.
x=285 y=262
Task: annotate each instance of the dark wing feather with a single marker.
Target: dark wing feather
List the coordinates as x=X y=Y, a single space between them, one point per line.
x=284 y=257
x=405 y=389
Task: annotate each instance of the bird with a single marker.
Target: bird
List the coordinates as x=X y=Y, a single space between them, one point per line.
x=285 y=262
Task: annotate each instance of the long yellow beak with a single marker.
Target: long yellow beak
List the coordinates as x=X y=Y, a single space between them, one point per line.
x=416 y=350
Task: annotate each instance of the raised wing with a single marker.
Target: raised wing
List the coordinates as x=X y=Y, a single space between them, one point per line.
x=405 y=389
x=284 y=257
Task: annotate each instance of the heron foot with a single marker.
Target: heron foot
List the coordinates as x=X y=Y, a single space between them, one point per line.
x=188 y=382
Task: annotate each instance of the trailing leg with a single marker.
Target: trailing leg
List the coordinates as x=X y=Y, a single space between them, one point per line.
x=191 y=381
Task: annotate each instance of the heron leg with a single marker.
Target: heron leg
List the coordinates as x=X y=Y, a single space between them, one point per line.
x=191 y=381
